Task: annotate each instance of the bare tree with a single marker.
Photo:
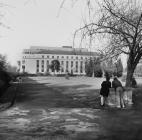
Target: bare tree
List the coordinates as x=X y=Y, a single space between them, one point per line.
x=120 y=22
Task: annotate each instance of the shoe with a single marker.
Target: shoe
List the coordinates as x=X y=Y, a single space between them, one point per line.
x=118 y=106
x=102 y=105
x=123 y=106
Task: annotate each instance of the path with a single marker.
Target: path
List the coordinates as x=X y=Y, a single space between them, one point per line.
x=66 y=112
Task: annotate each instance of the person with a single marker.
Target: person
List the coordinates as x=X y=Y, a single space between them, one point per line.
x=104 y=91
x=20 y=79
x=116 y=84
x=67 y=75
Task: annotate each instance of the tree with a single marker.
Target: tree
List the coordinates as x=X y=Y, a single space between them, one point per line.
x=89 y=67
x=119 y=68
x=120 y=23
x=4 y=75
x=3 y=62
x=108 y=67
x=93 y=67
x=97 y=68
x=55 y=65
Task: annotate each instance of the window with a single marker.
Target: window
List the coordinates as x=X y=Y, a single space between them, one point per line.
x=47 y=66
x=81 y=67
x=47 y=62
x=76 y=57
x=81 y=57
x=71 y=64
x=72 y=57
x=62 y=62
x=62 y=69
x=67 y=57
x=62 y=56
x=47 y=56
x=42 y=56
x=57 y=57
x=37 y=70
x=37 y=63
x=23 y=61
x=42 y=66
x=67 y=65
x=23 y=67
x=76 y=66
x=52 y=56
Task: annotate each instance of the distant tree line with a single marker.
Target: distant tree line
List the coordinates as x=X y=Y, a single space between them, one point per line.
x=95 y=68
x=6 y=74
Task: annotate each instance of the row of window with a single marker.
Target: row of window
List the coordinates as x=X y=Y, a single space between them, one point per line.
x=62 y=63
x=61 y=57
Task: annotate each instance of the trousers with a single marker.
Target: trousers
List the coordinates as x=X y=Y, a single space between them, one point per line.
x=120 y=97
x=103 y=100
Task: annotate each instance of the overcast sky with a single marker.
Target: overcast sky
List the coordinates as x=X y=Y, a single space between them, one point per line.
x=37 y=22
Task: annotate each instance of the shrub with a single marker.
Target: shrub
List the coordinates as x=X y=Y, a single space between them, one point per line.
x=98 y=73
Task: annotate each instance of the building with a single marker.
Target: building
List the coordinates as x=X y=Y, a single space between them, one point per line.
x=38 y=59
x=138 y=70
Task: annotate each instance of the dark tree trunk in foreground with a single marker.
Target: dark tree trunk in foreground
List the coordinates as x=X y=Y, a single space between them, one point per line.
x=131 y=66
x=130 y=71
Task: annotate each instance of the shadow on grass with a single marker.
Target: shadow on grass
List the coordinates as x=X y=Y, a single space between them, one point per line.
x=69 y=96
x=75 y=96
x=115 y=124
x=137 y=97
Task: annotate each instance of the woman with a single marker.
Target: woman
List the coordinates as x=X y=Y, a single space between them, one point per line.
x=104 y=92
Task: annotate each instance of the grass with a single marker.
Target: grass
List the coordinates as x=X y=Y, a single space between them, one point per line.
x=42 y=138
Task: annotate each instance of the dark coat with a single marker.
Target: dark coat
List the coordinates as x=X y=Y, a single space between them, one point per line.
x=116 y=83
x=105 y=88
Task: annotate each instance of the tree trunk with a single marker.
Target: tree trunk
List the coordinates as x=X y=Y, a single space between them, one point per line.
x=130 y=71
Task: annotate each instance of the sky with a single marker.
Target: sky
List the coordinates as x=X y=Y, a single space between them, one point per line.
x=36 y=23
x=28 y=23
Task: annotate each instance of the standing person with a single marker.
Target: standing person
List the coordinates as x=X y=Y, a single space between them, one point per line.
x=104 y=92
x=116 y=84
x=67 y=75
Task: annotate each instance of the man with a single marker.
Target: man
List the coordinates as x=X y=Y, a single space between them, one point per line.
x=116 y=84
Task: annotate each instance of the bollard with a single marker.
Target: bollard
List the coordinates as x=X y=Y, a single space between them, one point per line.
x=128 y=96
x=112 y=98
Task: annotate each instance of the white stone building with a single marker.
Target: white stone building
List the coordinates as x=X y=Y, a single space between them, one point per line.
x=38 y=59
x=138 y=70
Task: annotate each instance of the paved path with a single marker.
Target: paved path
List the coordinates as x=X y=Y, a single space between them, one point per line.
x=60 y=110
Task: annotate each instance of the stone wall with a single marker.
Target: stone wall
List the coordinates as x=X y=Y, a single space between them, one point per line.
x=113 y=97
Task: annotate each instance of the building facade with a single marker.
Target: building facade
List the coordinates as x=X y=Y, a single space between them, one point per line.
x=138 y=70
x=38 y=60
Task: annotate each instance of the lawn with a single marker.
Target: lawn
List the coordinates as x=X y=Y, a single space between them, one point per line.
x=54 y=108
